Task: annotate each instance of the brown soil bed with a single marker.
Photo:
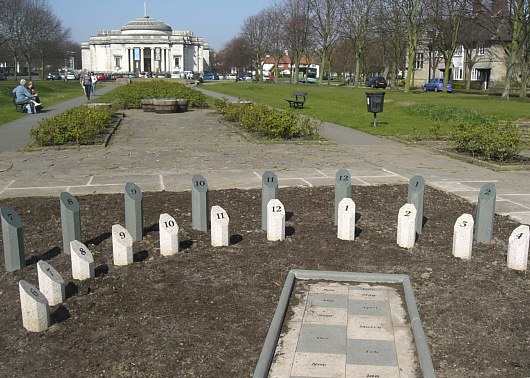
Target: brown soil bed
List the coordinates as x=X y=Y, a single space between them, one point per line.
x=206 y=311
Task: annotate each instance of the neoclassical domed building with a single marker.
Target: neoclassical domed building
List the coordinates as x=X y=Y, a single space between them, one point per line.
x=145 y=45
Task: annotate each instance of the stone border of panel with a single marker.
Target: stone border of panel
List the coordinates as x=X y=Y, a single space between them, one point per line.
x=273 y=335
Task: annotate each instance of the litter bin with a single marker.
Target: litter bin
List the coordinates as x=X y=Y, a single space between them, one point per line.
x=374 y=103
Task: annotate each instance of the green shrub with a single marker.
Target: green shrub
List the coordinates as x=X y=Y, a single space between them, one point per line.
x=490 y=140
x=130 y=96
x=270 y=122
x=79 y=125
x=440 y=113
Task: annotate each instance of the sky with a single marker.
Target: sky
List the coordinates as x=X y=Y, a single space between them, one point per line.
x=216 y=21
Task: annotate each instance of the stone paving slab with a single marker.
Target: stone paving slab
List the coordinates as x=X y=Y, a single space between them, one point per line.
x=163 y=152
x=346 y=328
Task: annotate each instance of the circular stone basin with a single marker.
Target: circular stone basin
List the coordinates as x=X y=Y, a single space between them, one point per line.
x=165 y=105
x=147 y=104
x=95 y=105
x=182 y=104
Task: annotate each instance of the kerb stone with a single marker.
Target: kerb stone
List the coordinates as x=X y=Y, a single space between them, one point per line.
x=134 y=211
x=275 y=220
x=406 y=231
x=220 y=221
x=346 y=219
x=83 y=267
x=51 y=283
x=342 y=190
x=70 y=220
x=35 y=308
x=122 y=242
x=463 y=236
x=269 y=191
x=169 y=235
x=518 y=245
x=12 y=235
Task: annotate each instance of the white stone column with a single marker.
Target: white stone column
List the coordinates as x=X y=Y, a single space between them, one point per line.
x=142 y=54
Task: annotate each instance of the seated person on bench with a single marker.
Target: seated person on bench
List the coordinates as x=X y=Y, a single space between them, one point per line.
x=23 y=96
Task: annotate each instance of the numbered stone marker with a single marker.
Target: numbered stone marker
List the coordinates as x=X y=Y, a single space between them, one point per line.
x=346 y=219
x=199 y=204
x=35 y=308
x=342 y=190
x=134 y=211
x=415 y=197
x=70 y=220
x=220 y=221
x=169 y=235
x=83 y=266
x=121 y=246
x=406 y=232
x=13 y=240
x=269 y=191
x=518 y=245
x=51 y=283
x=485 y=213
x=463 y=236
x=275 y=220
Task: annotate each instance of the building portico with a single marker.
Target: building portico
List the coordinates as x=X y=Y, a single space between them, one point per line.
x=145 y=45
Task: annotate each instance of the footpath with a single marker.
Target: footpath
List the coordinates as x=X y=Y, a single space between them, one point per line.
x=163 y=151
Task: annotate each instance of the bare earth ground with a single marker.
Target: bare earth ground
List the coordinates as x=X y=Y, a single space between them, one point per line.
x=206 y=311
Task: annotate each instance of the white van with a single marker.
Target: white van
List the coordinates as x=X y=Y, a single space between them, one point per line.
x=175 y=74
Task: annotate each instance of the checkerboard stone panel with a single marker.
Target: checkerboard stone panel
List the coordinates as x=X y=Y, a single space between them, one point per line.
x=347 y=330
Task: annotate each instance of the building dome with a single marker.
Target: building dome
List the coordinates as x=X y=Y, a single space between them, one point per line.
x=146 y=25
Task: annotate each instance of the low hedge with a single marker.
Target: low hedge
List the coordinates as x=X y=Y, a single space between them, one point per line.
x=272 y=123
x=492 y=140
x=78 y=126
x=130 y=96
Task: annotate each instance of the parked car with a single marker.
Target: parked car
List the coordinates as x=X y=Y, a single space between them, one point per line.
x=70 y=75
x=176 y=74
x=55 y=75
x=437 y=85
x=210 y=76
x=231 y=76
x=376 y=82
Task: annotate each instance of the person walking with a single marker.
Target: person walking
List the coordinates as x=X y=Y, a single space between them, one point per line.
x=86 y=82
x=94 y=79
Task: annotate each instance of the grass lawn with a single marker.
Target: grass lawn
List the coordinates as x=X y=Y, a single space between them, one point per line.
x=347 y=106
x=50 y=92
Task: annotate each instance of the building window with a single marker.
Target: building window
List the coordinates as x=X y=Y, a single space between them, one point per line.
x=176 y=61
x=418 y=62
x=481 y=49
x=459 y=51
x=117 y=61
x=458 y=73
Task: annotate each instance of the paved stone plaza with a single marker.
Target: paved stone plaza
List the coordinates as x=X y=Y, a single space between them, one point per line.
x=163 y=152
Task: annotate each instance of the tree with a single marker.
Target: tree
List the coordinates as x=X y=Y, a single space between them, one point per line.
x=275 y=36
x=411 y=12
x=392 y=32
x=298 y=32
x=236 y=54
x=447 y=19
x=326 y=18
x=254 y=31
x=356 y=15
x=50 y=37
x=518 y=15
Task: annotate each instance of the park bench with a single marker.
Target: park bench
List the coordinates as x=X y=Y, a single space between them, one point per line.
x=299 y=100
